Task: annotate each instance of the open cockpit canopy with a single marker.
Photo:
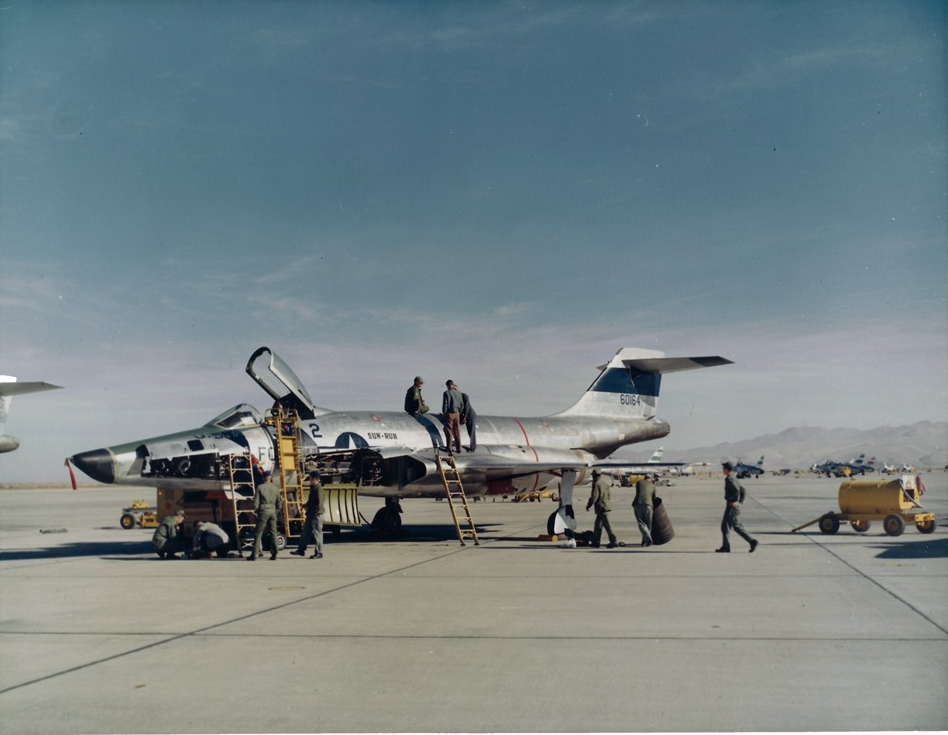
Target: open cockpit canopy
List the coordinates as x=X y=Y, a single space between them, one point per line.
x=280 y=382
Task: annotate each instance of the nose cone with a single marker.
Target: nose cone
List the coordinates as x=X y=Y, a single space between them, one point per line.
x=99 y=464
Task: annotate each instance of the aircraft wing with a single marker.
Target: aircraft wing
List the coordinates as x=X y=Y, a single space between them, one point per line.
x=495 y=466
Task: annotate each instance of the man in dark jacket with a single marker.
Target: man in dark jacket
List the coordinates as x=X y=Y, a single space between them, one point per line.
x=451 y=404
x=315 y=510
x=469 y=419
x=733 y=493
x=414 y=403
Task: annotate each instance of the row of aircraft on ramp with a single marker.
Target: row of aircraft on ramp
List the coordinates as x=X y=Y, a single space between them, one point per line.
x=393 y=454
x=855 y=466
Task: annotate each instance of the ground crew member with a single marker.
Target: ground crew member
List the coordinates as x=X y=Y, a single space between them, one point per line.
x=315 y=510
x=208 y=538
x=733 y=492
x=451 y=405
x=414 y=403
x=168 y=537
x=599 y=499
x=643 y=505
x=469 y=419
x=269 y=502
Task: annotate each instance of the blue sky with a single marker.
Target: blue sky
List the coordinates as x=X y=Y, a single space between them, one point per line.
x=499 y=193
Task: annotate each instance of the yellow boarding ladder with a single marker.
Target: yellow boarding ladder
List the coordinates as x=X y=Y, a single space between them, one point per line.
x=454 y=491
x=285 y=424
x=243 y=490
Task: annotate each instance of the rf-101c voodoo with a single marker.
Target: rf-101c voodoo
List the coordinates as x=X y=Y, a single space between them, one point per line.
x=394 y=454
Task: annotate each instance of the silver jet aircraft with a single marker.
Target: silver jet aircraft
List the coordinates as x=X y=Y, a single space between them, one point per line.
x=392 y=454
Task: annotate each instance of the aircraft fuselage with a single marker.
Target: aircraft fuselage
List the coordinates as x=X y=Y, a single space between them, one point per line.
x=192 y=459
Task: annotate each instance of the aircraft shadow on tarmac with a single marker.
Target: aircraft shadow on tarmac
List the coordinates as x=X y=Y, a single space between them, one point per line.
x=79 y=549
x=927 y=549
x=144 y=548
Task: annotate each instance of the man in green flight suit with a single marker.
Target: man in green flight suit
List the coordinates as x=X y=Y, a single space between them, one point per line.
x=643 y=505
x=269 y=503
x=733 y=494
x=599 y=498
x=168 y=538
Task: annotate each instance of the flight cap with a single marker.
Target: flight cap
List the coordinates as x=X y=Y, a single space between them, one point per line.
x=419 y=379
x=727 y=465
x=315 y=474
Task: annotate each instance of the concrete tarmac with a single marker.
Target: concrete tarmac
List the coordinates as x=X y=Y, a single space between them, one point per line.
x=812 y=632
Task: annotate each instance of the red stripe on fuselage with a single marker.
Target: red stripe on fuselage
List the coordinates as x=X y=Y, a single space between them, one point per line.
x=526 y=438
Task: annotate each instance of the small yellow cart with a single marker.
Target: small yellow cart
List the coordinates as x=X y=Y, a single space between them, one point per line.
x=139 y=513
x=893 y=501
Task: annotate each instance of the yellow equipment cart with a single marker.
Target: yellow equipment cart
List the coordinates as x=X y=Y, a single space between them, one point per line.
x=139 y=513
x=894 y=501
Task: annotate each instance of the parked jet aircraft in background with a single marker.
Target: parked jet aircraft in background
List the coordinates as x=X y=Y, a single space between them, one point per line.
x=860 y=466
x=654 y=464
x=630 y=475
x=700 y=468
x=746 y=470
x=9 y=388
x=855 y=466
x=828 y=467
x=392 y=454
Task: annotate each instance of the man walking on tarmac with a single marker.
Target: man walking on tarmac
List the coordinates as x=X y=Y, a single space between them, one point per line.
x=643 y=506
x=599 y=499
x=733 y=495
x=269 y=503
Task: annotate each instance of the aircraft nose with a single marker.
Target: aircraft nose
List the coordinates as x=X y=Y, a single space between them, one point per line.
x=99 y=464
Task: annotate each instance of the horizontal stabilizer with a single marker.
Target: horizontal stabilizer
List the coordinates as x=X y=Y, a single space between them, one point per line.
x=17 y=389
x=663 y=365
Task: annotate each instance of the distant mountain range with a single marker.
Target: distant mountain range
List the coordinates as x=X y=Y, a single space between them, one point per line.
x=923 y=444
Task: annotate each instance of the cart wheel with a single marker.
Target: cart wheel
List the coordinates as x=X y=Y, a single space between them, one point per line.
x=829 y=523
x=894 y=524
x=860 y=526
x=281 y=541
x=925 y=526
x=127 y=521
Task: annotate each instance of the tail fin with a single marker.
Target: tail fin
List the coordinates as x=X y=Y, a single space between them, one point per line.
x=8 y=388
x=656 y=455
x=628 y=385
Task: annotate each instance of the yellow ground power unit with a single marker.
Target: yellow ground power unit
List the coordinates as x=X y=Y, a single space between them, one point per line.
x=894 y=501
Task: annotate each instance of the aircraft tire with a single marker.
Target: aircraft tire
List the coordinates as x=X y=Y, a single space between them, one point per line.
x=387 y=521
x=829 y=523
x=894 y=524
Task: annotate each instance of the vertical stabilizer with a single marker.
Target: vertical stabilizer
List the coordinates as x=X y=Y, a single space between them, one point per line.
x=629 y=384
